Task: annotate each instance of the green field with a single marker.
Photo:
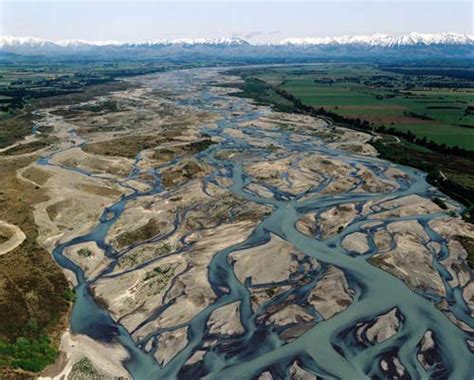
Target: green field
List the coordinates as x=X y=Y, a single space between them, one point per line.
x=434 y=107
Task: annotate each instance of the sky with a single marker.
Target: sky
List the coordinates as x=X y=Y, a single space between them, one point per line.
x=262 y=21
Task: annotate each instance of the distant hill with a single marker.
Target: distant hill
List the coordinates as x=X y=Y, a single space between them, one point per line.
x=413 y=45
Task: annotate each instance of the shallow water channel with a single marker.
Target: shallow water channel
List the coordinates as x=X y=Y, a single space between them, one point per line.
x=326 y=349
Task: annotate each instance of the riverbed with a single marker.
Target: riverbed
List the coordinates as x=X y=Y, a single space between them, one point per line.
x=262 y=162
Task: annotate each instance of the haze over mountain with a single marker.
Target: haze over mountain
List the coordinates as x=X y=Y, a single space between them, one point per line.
x=448 y=45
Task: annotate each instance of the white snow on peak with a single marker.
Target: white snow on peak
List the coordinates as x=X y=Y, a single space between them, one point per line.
x=78 y=43
x=386 y=40
x=210 y=41
x=10 y=41
x=378 y=39
x=32 y=42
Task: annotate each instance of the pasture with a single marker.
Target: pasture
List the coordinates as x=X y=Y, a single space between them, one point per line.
x=436 y=107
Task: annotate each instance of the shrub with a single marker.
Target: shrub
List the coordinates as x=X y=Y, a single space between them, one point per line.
x=440 y=203
x=28 y=354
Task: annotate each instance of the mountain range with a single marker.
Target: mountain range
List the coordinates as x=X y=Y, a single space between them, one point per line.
x=417 y=44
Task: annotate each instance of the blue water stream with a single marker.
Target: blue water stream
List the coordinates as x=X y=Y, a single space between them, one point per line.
x=326 y=349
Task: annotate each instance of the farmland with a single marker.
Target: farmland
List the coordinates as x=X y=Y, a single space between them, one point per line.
x=438 y=107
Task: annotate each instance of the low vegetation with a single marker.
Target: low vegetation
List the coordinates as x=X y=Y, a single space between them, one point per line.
x=84 y=369
x=454 y=175
x=128 y=146
x=84 y=252
x=28 y=354
x=29 y=147
x=5 y=234
x=38 y=80
x=440 y=203
x=145 y=232
x=159 y=278
x=468 y=244
x=162 y=155
x=99 y=107
x=15 y=128
x=181 y=173
x=262 y=92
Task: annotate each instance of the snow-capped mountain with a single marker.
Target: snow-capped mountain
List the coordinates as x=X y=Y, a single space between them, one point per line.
x=413 y=44
x=224 y=41
x=386 y=40
x=10 y=42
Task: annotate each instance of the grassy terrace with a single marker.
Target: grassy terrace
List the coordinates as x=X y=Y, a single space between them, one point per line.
x=430 y=135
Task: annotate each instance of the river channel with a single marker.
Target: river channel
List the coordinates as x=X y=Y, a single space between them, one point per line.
x=328 y=349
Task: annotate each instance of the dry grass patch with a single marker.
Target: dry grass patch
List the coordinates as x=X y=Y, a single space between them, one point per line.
x=100 y=190
x=145 y=232
x=468 y=244
x=36 y=175
x=127 y=147
x=55 y=209
x=5 y=234
x=168 y=153
x=30 y=147
x=15 y=128
x=179 y=174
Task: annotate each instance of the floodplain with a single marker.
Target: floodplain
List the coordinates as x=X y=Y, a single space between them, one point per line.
x=207 y=234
